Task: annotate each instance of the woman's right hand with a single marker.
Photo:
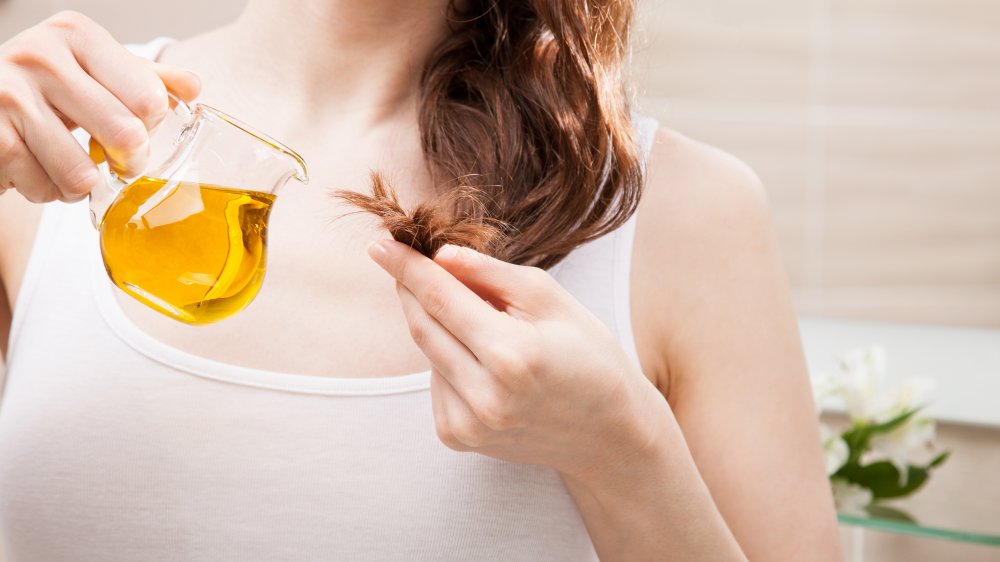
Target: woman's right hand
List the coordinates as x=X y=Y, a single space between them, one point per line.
x=66 y=72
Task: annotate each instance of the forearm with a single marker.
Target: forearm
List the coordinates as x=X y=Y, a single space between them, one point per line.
x=653 y=507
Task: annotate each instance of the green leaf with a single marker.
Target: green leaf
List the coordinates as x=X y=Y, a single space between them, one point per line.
x=939 y=460
x=887 y=426
x=891 y=513
x=862 y=431
x=882 y=478
x=858 y=437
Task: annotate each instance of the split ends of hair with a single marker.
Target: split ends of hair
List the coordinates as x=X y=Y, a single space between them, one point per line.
x=456 y=216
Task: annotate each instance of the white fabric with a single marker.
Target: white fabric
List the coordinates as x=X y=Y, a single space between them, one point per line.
x=117 y=448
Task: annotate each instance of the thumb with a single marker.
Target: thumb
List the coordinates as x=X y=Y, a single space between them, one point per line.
x=504 y=285
x=183 y=83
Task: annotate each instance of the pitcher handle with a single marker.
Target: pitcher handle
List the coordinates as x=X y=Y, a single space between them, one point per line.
x=106 y=191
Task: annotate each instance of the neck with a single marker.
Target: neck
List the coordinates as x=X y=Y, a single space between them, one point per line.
x=348 y=56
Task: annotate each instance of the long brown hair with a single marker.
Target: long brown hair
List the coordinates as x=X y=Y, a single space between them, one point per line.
x=525 y=107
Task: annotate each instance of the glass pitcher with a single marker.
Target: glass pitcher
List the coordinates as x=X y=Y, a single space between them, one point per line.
x=187 y=236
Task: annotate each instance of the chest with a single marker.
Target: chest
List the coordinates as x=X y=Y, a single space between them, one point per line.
x=324 y=308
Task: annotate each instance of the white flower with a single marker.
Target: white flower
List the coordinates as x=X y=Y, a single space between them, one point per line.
x=861 y=384
x=835 y=450
x=915 y=434
x=898 y=445
x=850 y=499
x=824 y=386
x=912 y=393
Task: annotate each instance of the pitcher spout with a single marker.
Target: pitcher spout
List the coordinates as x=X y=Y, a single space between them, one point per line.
x=297 y=164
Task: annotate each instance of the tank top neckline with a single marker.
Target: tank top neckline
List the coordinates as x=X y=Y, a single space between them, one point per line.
x=161 y=352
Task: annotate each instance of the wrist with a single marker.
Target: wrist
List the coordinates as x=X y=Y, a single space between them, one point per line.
x=640 y=438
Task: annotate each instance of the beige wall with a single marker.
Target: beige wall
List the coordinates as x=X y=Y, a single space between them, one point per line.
x=875 y=125
x=128 y=21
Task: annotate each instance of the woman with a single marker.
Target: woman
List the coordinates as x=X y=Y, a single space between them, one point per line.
x=628 y=385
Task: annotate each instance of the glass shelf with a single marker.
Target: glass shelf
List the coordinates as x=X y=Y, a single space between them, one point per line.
x=951 y=520
x=960 y=502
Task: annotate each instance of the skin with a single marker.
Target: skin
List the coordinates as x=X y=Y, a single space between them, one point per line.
x=708 y=449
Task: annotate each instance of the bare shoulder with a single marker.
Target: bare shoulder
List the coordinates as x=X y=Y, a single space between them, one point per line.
x=18 y=223
x=696 y=185
x=703 y=237
x=713 y=313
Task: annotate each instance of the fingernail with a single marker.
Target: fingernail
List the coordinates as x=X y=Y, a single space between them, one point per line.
x=196 y=77
x=448 y=250
x=453 y=252
x=378 y=252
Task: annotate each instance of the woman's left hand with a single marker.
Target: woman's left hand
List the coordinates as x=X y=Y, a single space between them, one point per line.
x=521 y=371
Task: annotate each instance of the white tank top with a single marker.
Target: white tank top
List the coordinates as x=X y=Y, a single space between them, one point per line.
x=115 y=447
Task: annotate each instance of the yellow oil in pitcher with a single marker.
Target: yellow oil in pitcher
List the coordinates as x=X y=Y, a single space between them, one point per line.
x=193 y=251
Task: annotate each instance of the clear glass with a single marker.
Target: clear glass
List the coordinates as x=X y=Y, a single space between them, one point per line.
x=187 y=236
x=926 y=517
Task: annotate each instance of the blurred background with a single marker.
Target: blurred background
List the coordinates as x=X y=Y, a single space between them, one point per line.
x=875 y=126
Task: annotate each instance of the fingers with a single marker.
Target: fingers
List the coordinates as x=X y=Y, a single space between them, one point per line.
x=125 y=75
x=183 y=83
x=67 y=72
x=456 y=426
x=81 y=99
x=121 y=96
x=446 y=353
x=61 y=156
x=20 y=170
x=439 y=405
x=519 y=290
x=468 y=317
